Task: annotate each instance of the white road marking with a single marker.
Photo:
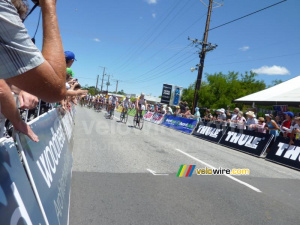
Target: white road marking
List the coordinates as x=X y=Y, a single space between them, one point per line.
x=227 y=175
x=157 y=174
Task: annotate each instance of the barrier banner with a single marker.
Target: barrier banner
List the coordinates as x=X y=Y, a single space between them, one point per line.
x=246 y=141
x=157 y=118
x=67 y=123
x=18 y=204
x=148 y=116
x=50 y=163
x=181 y=124
x=209 y=131
x=283 y=153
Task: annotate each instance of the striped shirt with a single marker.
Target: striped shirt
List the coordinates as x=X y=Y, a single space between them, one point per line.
x=18 y=54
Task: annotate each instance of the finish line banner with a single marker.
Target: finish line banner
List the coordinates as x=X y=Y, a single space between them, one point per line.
x=209 y=131
x=18 y=204
x=50 y=163
x=252 y=142
x=283 y=153
x=181 y=124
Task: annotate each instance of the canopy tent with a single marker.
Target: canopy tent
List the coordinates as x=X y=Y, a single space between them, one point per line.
x=286 y=93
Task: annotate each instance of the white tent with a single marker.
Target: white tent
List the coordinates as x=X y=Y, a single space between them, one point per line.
x=286 y=93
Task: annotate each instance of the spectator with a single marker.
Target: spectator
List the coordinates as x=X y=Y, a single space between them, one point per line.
x=286 y=124
x=177 y=112
x=295 y=131
x=169 y=111
x=208 y=116
x=197 y=115
x=251 y=120
x=278 y=120
x=41 y=74
x=182 y=107
x=187 y=113
x=260 y=126
x=221 y=115
x=232 y=121
x=240 y=121
x=271 y=125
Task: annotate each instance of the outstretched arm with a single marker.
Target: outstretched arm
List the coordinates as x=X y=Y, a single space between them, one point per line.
x=46 y=81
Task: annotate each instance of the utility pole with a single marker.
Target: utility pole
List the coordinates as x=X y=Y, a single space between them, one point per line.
x=205 y=48
x=117 y=86
x=107 y=83
x=97 y=84
x=102 y=79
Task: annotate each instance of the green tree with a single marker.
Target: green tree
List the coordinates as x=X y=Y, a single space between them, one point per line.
x=219 y=90
x=121 y=92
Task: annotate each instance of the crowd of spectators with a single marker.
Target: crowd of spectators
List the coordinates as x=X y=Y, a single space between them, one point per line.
x=28 y=72
x=286 y=127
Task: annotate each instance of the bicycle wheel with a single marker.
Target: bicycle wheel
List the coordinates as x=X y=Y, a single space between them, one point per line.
x=141 y=123
x=125 y=118
x=122 y=117
x=134 y=121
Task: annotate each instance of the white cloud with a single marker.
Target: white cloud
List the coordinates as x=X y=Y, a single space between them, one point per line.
x=273 y=70
x=154 y=15
x=151 y=2
x=96 y=39
x=244 y=48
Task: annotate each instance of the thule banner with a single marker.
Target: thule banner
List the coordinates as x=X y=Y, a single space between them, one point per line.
x=181 y=124
x=50 y=163
x=246 y=141
x=283 y=153
x=18 y=204
x=210 y=131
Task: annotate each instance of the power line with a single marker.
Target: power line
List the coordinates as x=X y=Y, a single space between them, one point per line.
x=150 y=31
x=252 y=60
x=167 y=46
x=140 y=51
x=247 y=15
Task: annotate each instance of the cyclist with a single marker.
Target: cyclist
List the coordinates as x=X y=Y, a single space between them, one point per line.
x=126 y=104
x=112 y=102
x=101 y=102
x=140 y=105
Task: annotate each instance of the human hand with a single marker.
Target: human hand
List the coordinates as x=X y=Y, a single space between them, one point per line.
x=27 y=101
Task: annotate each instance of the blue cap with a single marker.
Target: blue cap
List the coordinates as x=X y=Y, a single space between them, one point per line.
x=196 y=109
x=291 y=114
x=69 y=55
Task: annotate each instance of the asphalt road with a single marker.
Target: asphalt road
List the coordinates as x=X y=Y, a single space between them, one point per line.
x=122 y=175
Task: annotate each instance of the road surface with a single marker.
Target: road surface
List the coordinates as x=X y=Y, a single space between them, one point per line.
x=122 y=175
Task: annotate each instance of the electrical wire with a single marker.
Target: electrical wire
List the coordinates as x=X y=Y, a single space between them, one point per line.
x=246 y=15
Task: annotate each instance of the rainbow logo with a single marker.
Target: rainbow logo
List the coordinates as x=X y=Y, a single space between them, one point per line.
x=189 y=171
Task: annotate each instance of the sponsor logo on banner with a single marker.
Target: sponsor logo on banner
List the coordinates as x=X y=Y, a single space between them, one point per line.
x=148 y=116
x=178 y=123
x=209 y=131
x=50 y=163
x=166 y=94
x=18 y=204
x=283 y=153
x=247 y=141
x=157 y=118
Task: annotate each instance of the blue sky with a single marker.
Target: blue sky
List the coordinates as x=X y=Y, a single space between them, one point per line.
x=143 y=43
